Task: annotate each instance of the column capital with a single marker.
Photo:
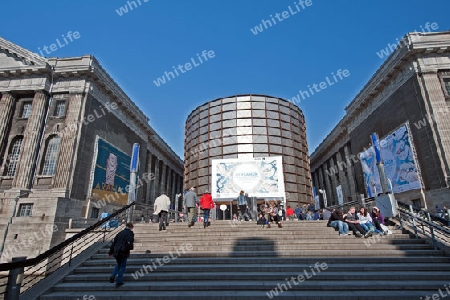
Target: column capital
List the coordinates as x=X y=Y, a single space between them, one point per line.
x=8 y=93
x=42 y=92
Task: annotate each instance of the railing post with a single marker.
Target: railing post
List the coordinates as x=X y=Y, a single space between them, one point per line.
x=433 y=237
x=15 y=278
x=415 y=226
x=71 y=251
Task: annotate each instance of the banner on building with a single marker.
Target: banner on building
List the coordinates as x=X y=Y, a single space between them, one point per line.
x=400 y=164
x=340 y=195
x=110 y=173
x=259 y=177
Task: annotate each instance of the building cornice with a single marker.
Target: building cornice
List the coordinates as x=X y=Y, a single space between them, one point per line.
x=393 y=73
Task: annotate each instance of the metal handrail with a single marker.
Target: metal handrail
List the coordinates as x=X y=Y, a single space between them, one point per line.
x=43 y=265
x=420 y=226
x=425 y=214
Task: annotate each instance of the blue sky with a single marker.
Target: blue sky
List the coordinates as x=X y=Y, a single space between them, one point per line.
x=137 y=47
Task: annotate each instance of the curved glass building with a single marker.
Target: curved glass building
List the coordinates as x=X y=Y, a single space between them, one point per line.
x=246 y=127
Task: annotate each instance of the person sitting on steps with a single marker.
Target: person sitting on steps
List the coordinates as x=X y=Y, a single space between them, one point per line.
x=353 y=223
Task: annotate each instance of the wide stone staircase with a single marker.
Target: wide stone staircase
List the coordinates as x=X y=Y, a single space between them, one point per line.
x=302 y=260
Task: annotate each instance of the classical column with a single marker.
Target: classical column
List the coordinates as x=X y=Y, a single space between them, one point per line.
x=321 y=183
x=163 y=187
x=342 y=167
x=155 y=182
x=31 y=141
x=6 y=112
x=328 y=188
x=334 y=182
x=68 y=134
x=172 y=184
x=351 y=172
x=147 y=181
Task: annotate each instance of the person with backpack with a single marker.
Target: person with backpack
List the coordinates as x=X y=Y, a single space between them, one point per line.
x=120 y=249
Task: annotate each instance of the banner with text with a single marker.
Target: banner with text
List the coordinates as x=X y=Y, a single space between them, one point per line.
x=111 y=173
x=259 y=177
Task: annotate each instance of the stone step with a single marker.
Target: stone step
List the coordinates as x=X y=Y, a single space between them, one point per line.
x=374 y=261
x=282 y=247
x=257 y=234
x=245 y=285
x=249 y=262
x=306 y=253
x=251 y=295
x=400 y=239
x=153 y=275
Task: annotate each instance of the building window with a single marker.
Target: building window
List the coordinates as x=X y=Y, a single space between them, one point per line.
x=95 y=212
x=447 y=86
x=26 y=110
x=51 y=156
x=25 y=210
x=13 y=157
x=60 y=109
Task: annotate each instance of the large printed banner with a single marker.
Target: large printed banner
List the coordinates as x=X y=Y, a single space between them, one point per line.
x=111 y=173
x=399 y=164
x=259 y=177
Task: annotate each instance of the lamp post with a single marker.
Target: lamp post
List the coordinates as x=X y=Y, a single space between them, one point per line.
x=16 y=200
x=325 y=204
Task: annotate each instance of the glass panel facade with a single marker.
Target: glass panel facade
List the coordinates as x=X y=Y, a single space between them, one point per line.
x=244 y=127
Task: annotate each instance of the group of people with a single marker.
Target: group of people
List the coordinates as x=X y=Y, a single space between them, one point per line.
x=362 y=224
x=191 y=204
x=271 y=214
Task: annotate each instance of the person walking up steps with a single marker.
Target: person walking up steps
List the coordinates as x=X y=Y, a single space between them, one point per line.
x=191 y=202
x=206 y=203
x=162 y=206
x=120 y=249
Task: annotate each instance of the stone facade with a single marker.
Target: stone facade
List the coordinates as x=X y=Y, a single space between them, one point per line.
x=411 y=87
x=51 y=113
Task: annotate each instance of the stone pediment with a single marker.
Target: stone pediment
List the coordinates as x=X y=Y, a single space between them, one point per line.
x=14 y=57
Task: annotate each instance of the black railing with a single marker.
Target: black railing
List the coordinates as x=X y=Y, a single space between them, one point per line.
x=441 y=221
x=422 y=227
x=41 y=266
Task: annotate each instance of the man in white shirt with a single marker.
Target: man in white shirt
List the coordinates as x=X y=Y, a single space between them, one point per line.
x=162 y=206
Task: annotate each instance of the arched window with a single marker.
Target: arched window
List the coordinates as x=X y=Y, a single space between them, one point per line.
x=51 y=156
x=13 y=156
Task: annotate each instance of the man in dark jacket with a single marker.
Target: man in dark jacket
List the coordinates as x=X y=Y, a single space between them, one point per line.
x=120 y=249
x=190 y=203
